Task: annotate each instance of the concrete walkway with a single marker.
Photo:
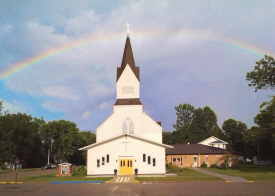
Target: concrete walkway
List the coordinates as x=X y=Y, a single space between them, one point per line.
x=223 y=176
x=123 y=179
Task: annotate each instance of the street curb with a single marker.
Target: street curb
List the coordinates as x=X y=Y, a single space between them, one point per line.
x=75 y=182
x=10 y=182
x=121 y=182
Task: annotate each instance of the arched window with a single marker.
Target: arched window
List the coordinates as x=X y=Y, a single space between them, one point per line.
x=131 y=127
x=125 y=127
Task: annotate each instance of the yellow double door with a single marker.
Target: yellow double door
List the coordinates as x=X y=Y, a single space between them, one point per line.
x=126 y=166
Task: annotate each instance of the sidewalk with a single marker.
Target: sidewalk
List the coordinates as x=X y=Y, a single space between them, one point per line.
x=225 y=177
x=123 y=179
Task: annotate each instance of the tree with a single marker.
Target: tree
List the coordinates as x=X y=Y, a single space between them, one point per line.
x=62 y=134
x=194 y=125
x=226 y=159
x=84 y=138
x=1 y=104
x=19 y=138
x=234 y=131
x=263 y=75
x=266 y=121
x=166 y=137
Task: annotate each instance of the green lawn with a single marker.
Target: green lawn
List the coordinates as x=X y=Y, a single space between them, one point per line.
x=19 y=170
x=77 y=176
x=249 y=172
x=185 y=175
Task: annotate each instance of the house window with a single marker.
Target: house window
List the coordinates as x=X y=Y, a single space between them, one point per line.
x=103 y=160
x=127 y=90
x=181 y=161
x=149 y=160
x=107 y=159
x=131 y=127
x=174 y=160
x=206 y=159
x=124 y=127
x=98 y=162
x=154 y=162
x=144 y=157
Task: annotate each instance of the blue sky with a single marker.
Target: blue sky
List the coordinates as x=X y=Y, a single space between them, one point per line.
x=195 y=52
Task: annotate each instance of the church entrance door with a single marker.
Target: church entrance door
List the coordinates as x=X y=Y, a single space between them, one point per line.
x=126 y=166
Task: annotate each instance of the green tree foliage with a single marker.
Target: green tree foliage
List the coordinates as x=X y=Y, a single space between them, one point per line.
x=266 y=121
x=234 y=131
x=1 y=103
x=19 y=138
x=63 y=135
x=263 y=75
x=194 y=125
x=84 y=138
x=166 y=137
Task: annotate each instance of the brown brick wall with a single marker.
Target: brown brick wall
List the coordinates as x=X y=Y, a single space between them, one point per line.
x=188 y=160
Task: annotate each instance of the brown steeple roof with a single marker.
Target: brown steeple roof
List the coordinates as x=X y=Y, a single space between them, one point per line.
x=128 y=58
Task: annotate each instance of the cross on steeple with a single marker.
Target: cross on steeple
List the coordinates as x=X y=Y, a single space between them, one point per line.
x=128 y=28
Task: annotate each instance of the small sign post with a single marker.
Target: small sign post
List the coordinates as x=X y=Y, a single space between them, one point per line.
x=17 y=162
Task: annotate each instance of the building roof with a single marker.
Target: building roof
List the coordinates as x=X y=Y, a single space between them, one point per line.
x=217 y=139
x=125 y=135
x=217 y=142
x=134 y=101
x=188 y=149
x=128 y=58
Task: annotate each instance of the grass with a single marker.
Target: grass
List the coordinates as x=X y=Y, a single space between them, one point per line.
x=249 y=172
x=77 y=176
x=19 y=170
x=184 y=175
x=51 y=177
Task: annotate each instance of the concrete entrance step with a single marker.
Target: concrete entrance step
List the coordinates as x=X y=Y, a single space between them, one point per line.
x=123 y=179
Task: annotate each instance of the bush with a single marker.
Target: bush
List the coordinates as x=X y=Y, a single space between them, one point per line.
x=224 y=166
x=204 y=164
x=173 y=168
x=214 y=166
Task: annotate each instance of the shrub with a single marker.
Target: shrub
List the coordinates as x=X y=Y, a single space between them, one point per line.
x=204 y=164
x=224 y=166
x=213 y=166
x=173 y=168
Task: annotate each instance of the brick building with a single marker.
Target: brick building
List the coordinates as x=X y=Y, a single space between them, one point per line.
x=193 y=155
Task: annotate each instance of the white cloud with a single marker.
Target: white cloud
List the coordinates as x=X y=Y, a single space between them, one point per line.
x=86 y=114
x=63 y=92
x=50 y=105
x=12 y=108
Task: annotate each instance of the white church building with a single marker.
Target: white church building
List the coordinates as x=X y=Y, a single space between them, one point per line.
x=128 y=139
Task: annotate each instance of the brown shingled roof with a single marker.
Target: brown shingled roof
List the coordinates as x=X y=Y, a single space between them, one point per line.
x=134 y=101
x=188 y=149
x=128 y=58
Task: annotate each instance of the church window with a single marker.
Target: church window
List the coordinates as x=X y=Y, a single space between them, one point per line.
x=131 y=127
x=107 y=159
x=149 y=160
x=98 y=162
x=103 y=160
x=154 y=162
x=144 y=157
x=124 y=127
x=127 y=90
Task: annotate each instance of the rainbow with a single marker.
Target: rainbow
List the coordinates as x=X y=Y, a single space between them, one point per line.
x=19 y=66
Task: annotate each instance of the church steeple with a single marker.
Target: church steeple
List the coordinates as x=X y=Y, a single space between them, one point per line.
x=128 y=58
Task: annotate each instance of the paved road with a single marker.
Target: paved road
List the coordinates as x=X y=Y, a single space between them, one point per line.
x=222 y=176
x=11 y=175
x=182 y=188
